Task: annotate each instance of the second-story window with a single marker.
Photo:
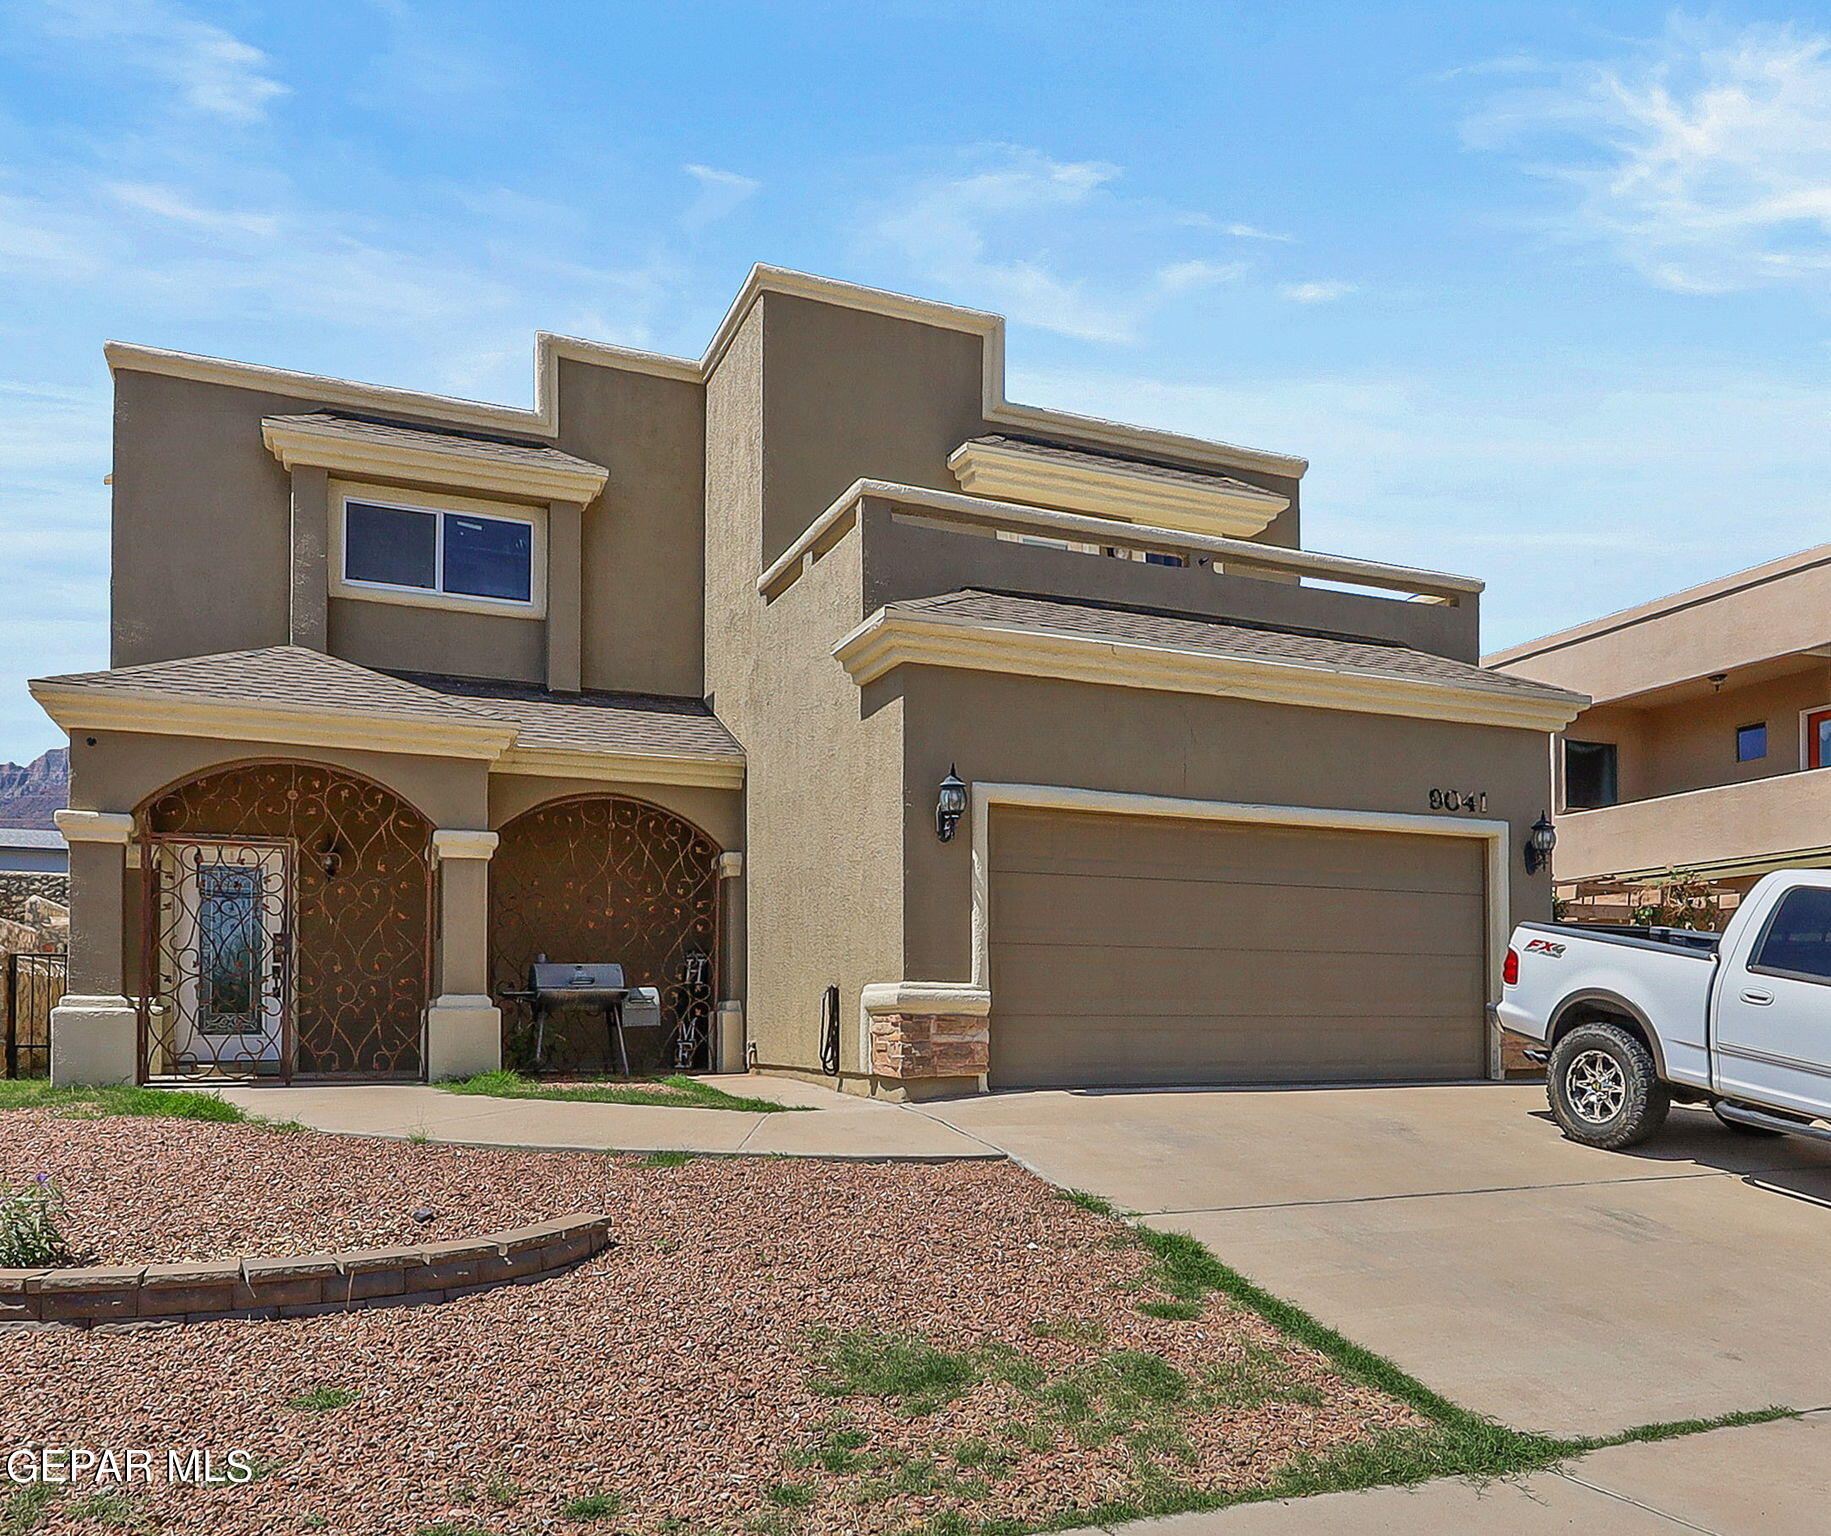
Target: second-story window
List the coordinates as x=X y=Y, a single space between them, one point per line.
x=1751 y=742
x=438 y=551
x=1589 y=775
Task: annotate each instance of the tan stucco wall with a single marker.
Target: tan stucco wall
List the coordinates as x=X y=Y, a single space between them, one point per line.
x=719 y=813
x=823 y=797
x=202 y=508
x=1006 y=729
x=1772 y=610
x=641 y=593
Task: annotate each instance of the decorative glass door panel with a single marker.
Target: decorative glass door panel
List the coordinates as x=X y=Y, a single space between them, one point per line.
x=221 y=914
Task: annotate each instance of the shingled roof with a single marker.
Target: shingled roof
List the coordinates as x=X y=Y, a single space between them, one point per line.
x=1133 y=626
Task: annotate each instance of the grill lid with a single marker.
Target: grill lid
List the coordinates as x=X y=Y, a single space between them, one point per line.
x=560 y=977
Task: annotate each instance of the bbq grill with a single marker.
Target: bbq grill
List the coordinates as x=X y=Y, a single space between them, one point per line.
x=553 y=986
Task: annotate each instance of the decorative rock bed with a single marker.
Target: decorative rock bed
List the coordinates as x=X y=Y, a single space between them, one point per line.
x=302 y=1285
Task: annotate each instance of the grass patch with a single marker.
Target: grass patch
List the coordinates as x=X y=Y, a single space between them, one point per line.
x=673 y=1091
x=22 y=1510
x=1070 y=1330
x=112 y=1509
x=163 y=1103
x=323 y=1399
x=593 y=1506
x=667 y=1160
x=1140 y=1400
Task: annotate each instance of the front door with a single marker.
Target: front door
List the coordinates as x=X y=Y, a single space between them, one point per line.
x=227 y=959
x=1772 y=1040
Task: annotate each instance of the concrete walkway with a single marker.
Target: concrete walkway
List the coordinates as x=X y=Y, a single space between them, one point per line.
x=1765 y=1480
x=832 y=1124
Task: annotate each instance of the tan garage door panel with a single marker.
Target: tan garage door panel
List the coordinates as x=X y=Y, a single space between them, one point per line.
x=1135 y=950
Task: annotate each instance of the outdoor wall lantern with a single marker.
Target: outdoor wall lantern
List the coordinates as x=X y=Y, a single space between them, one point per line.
x=1538 y=846
x=330 y=858
x=950 y=806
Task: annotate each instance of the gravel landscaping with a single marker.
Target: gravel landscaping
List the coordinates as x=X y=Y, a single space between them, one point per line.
x=775 y=1347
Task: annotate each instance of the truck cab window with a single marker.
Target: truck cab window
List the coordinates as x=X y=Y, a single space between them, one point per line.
x=1589 y=774
x=1798 y=938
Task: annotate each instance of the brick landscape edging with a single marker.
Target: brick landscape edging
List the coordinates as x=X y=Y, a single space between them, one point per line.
x=297 y=1285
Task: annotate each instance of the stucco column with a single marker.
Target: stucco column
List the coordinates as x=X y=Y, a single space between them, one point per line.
x=93 y=1024
x=565 y=578
x=309 y=619
x=463 y=1027
x=728 y=1051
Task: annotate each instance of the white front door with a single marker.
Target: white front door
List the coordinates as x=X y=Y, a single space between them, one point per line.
x=232 y=948
x=1772 y=1041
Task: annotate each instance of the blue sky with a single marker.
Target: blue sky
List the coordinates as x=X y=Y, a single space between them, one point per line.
x=1541 y=290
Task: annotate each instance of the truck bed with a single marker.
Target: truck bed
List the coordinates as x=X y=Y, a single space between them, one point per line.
x=1684 y=939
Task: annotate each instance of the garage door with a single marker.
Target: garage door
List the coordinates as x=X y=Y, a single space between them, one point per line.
x=1130 y=950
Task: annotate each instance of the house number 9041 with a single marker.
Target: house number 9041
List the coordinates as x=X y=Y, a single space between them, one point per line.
x=1459 y=800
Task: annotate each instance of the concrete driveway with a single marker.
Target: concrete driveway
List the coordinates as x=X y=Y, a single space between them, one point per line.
x=1454 y=1230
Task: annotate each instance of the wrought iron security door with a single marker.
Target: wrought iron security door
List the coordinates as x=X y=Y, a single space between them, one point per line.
x=219 y=918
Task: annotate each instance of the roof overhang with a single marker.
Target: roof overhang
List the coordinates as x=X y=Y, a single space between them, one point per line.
x=1127 y=492
x=447 y=461
x=887 y=640
x=165 y=712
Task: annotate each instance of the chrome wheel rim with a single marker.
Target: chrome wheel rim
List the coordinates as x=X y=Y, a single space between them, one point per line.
x=1596 y=1087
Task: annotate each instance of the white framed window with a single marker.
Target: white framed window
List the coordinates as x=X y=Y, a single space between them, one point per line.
x=426 y=549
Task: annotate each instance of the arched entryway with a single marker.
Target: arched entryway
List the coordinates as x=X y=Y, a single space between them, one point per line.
x=286 y=926
x=605 y=878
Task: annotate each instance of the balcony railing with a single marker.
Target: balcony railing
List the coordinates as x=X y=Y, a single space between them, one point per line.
x=1721 y=832
x=979 y=515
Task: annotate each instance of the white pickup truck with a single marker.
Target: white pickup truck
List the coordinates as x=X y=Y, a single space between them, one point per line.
x=1631 y=1019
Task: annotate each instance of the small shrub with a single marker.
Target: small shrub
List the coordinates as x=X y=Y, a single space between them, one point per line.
x=30 y=1237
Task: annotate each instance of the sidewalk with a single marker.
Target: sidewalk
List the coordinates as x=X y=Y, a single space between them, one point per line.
x=832 y=1125
x=1765 y=1480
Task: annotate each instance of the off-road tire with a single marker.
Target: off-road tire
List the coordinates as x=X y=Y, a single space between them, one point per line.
x=1604 y=1087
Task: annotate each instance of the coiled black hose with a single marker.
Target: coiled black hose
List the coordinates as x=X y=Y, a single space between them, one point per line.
x=829 y=1032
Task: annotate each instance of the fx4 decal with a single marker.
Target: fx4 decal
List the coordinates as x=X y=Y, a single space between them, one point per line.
x=1544 y=947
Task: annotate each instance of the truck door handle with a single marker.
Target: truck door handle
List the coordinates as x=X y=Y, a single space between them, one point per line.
x=1758 y=998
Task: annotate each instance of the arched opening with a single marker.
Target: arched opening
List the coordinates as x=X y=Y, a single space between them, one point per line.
x=286 y=926
x=606 y=879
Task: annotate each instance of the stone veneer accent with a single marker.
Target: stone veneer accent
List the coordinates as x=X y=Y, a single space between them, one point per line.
x=906 y=1045
x=301 y=1285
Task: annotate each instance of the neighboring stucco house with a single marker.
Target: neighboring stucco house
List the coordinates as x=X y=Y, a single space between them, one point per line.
x=1711 y=717
x=670 y=669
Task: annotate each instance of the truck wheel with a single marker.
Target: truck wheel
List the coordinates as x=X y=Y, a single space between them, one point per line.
x=1604 y=1088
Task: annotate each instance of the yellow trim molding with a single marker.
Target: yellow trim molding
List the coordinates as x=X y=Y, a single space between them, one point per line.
x=94 y=826
x=463 y=843
x=888 y=640
x=550 y=350
x=98 y=708
x=1495 y=837
x=1129 y=493
x=721 y=772
x=454 y=462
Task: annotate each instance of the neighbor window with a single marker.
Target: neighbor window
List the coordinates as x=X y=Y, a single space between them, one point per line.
x=437 y=550
x=1751 y=742
x=1589 y=774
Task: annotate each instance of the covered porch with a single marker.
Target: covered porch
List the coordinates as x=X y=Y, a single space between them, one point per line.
x=289 y=868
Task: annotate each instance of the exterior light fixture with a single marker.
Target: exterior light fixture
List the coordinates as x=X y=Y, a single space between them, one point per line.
x=1539 y=845
x=950 y=806
x=330 y=858
x=1717 y=679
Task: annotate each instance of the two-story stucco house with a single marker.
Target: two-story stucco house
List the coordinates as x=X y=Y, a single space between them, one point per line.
x=1710 y=721
x=670 y=671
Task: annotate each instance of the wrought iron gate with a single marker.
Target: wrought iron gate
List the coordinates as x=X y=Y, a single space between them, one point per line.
x=219 y=924
x=34 y=982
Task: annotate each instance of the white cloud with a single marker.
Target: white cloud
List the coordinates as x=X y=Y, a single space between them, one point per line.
x=1703 y=160
x=995 y=234
x=166 y=203
x=1253 y=232
x=1316 y=293
x=719 y=193
x=210 y=70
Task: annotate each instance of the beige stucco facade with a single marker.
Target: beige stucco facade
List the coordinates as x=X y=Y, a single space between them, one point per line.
x=1674 y=682
x=768 y=612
